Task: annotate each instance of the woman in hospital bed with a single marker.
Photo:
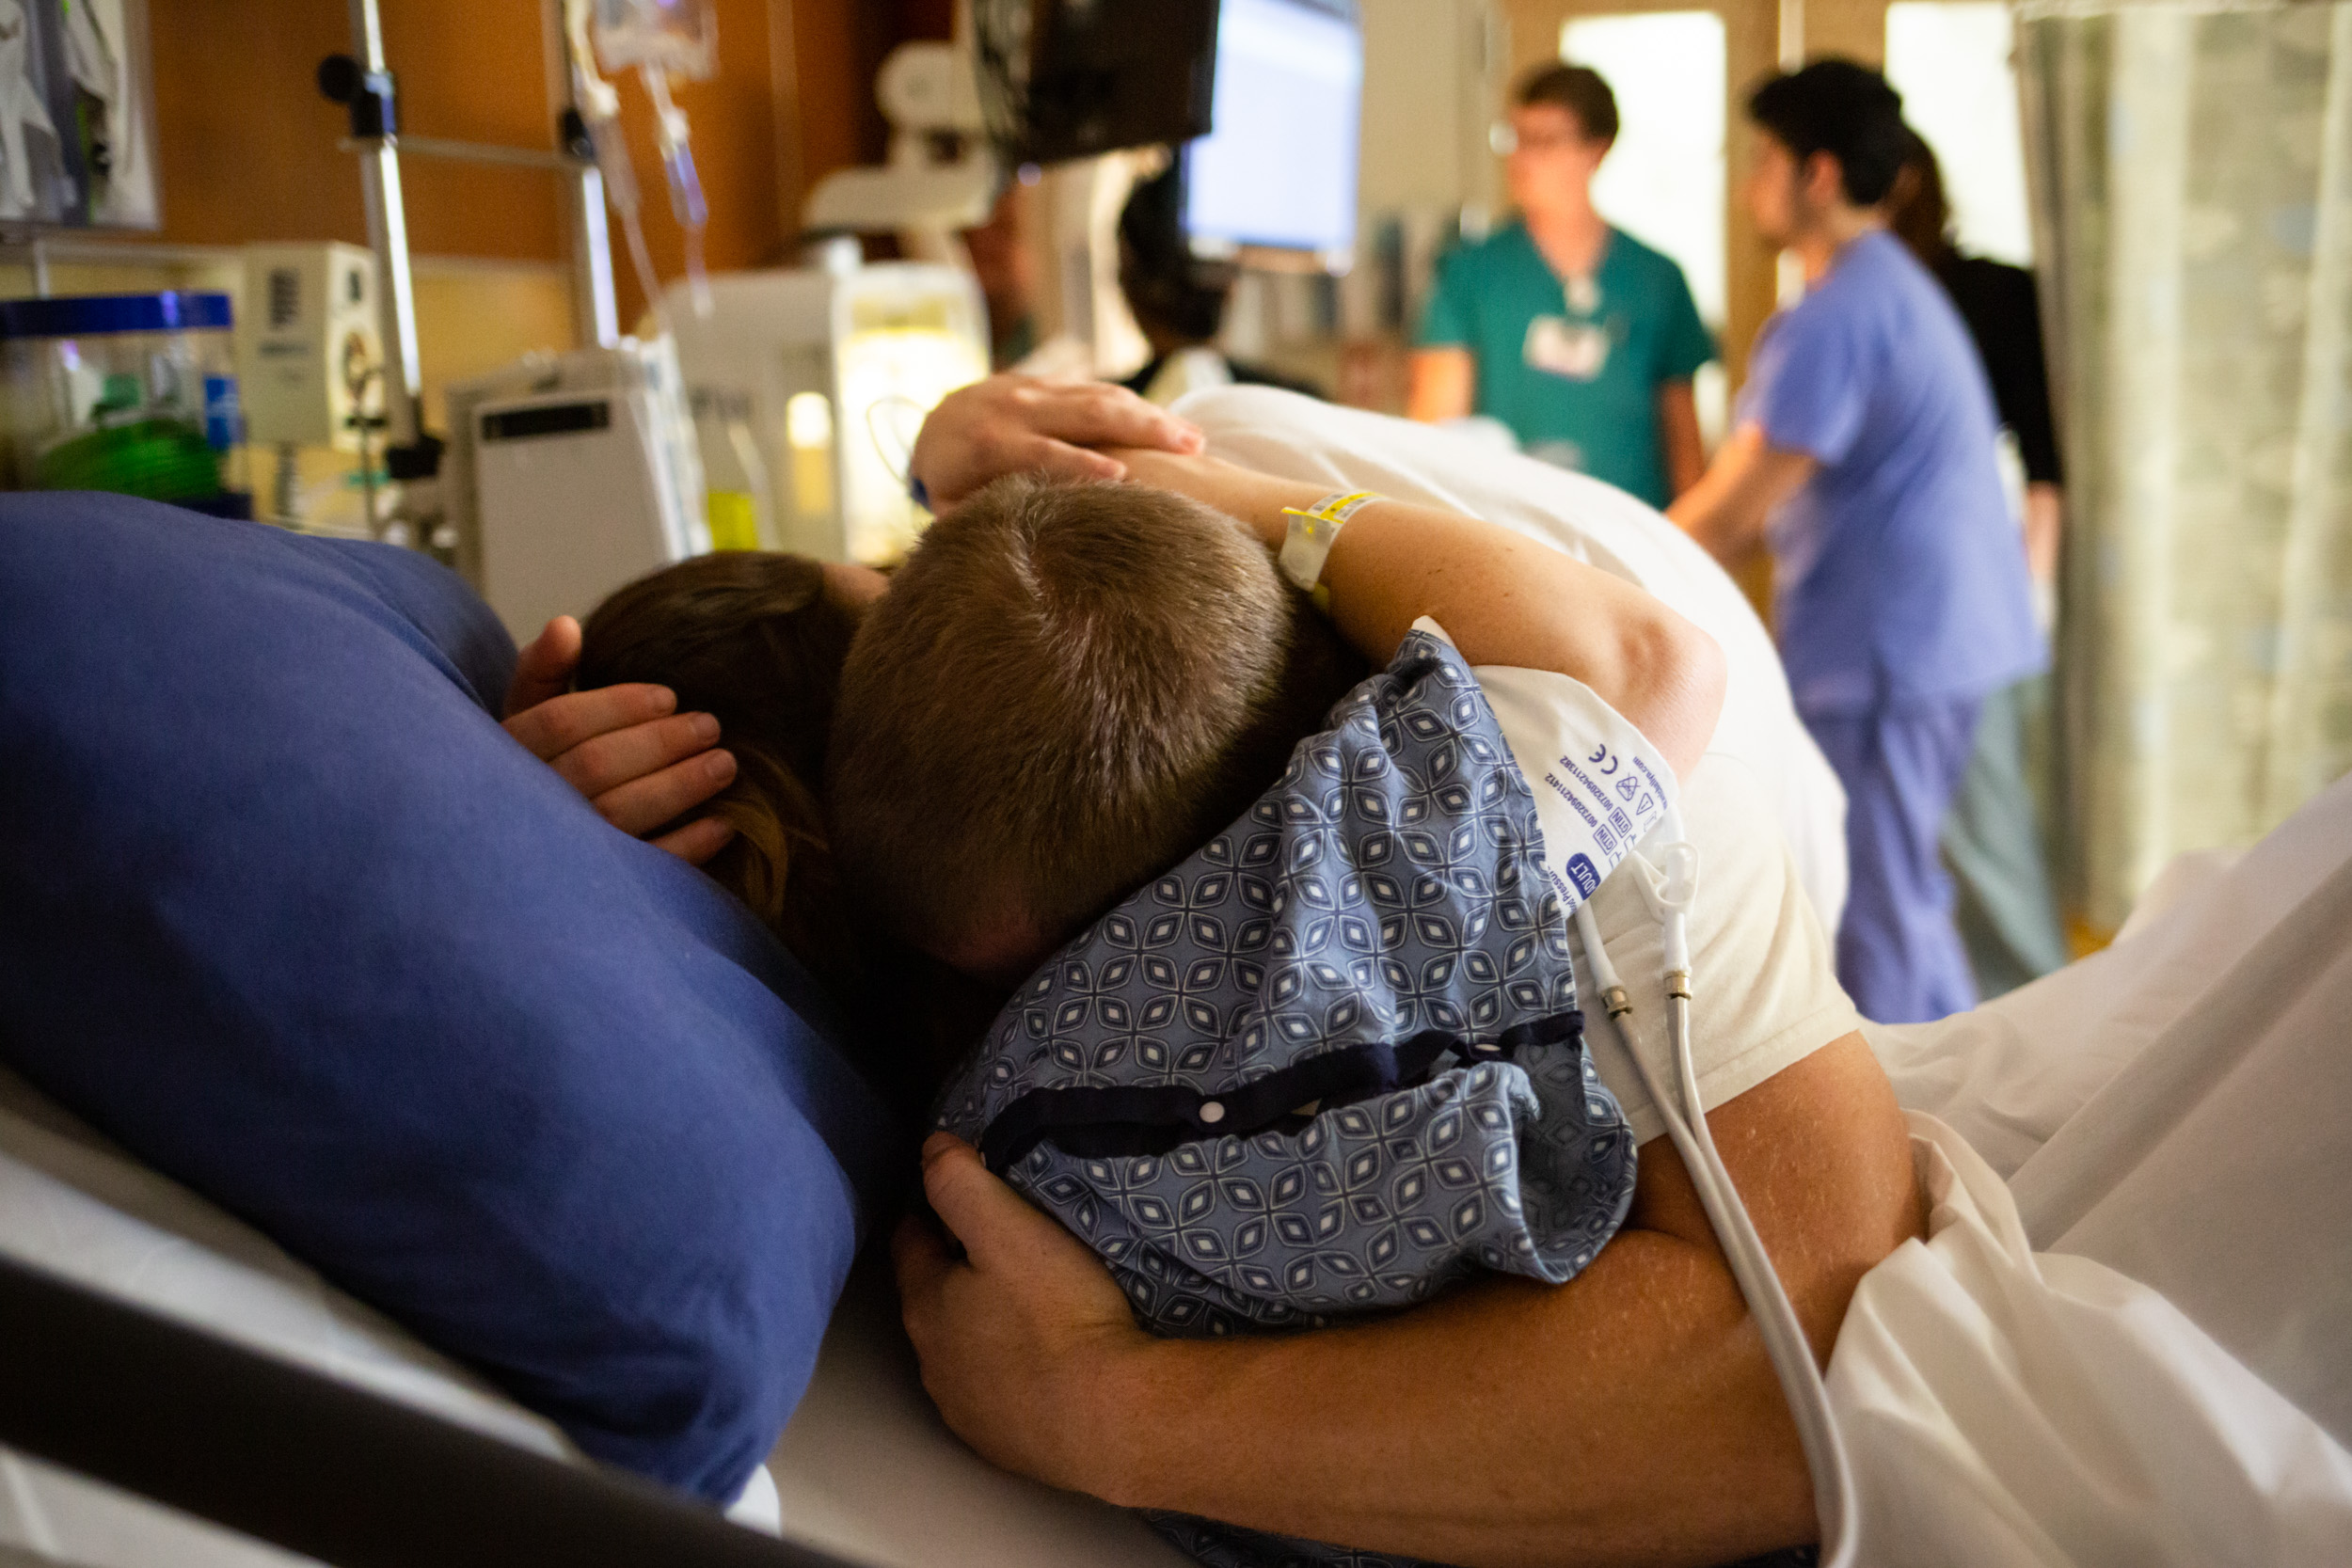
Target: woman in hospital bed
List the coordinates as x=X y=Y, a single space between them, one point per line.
x=1632 y=1412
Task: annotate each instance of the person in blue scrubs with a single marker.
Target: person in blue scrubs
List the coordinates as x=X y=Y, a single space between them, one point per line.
x=1862 y=457
x=1576 y=335
x=2007 y=911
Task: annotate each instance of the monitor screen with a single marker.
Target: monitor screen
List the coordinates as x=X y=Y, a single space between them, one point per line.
x=1278 y=169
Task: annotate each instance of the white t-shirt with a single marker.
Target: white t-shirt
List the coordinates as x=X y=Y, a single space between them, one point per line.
x=1298 y=438
x=1764 y=991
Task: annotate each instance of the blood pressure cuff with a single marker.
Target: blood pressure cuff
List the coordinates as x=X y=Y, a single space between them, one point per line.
x=1333 y=1061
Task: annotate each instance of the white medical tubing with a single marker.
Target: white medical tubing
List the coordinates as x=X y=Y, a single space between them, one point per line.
x=1597 y=959
x=893 y=422
x=599 y=106
x=1685 y=1115
x=686 y=187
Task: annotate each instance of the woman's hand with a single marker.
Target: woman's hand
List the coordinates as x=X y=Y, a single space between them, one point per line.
x=638 y=762
x=1023 y=425
x=1026 y=1337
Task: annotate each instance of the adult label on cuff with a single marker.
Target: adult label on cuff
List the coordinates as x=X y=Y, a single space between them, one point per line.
x=1615 y=795
x=1599 y=785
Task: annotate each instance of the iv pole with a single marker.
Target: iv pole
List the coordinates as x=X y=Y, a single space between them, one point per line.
x=364 y=82
x=388 y=223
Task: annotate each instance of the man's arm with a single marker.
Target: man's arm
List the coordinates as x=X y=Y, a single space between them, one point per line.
x=1499 y=596
x=1725 y=510
x=1630 y=1415
x=1679 y=443
x=1442 y=382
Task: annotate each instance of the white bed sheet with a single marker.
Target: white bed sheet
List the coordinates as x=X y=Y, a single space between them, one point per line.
x=72 y=1204
x=2179 y=1106
x=2168 y=1378
x=2004 y=1407
x=866 y=1467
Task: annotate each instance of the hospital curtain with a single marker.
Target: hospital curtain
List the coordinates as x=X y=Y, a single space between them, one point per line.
x=2192 y=173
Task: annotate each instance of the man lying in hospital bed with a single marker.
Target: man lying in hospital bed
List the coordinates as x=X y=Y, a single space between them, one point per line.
x=988 y=1353
x=1897 y=1362
x=1681 y=1389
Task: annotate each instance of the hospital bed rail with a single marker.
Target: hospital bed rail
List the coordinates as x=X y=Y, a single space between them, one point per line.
x=284 y=1456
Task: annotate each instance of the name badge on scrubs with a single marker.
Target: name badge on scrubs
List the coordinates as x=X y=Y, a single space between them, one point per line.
x=1575 y=350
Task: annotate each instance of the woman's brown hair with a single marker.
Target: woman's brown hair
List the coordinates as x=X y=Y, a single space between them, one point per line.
x=751 y=639
x=1917 y=208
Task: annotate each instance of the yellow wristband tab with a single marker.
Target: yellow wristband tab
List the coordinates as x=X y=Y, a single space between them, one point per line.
x=1312 y=531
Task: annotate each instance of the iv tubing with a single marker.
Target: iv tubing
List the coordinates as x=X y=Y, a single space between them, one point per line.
x=599 y=106
x=1777 y=1320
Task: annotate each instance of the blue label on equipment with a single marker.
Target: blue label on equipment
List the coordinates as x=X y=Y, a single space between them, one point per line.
x=1581 y=871
x=224 y=421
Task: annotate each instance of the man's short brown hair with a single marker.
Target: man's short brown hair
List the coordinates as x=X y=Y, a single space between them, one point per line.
x=1578 y=89
x=1068 y=688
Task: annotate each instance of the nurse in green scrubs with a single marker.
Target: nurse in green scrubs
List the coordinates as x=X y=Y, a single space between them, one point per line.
x=1576 y=335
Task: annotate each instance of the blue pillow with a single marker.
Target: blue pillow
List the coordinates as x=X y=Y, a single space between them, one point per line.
x=285 y=911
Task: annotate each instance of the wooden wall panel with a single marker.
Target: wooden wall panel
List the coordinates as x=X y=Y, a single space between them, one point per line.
x=249 y=147
x=245 y=145
x=733 y=118
x=1853 y=28
x=1751 y=42
x=837 y=46
x=471 y=72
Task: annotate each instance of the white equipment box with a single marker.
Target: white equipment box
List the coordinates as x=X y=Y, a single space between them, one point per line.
x=807 y=386
x=307 y=341
x=579 y=509
x=568 y=476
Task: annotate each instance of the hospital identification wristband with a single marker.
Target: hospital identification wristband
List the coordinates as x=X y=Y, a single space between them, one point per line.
x=1313 y=533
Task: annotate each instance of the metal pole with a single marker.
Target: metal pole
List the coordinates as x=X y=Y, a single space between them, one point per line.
x=596 y=308
x=470 y=152
x=388 y=236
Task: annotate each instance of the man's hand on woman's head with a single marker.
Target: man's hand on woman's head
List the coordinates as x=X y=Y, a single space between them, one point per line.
x=1023 y=424
x=639 y=762
x=1019 y=1337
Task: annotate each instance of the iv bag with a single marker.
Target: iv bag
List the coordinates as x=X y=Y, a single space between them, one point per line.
x=680 y=37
